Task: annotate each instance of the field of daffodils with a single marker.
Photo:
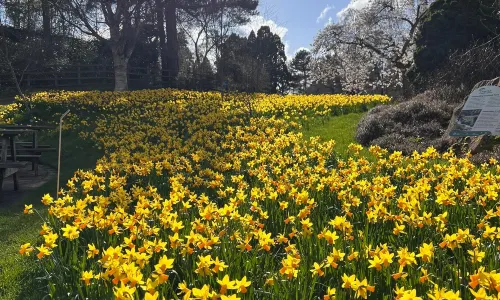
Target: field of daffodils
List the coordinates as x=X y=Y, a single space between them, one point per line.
x=200 y=196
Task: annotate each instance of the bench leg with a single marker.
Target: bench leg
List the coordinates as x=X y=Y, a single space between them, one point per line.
x=35 y=166
x=1 y=180
x=16 y=183
x=13 y=154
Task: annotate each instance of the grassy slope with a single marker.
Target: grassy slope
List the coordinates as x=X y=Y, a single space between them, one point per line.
x=342 y=129
x=17 y=274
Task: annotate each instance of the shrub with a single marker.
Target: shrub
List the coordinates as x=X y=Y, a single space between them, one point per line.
x=411 y=125
x=466 y=68
x=452 y=26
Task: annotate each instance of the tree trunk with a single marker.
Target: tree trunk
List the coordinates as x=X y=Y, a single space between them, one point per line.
x=337 y=86
x=172 y=59
x=120 y=64
x=160 y=27
x=47 y=30
x=406 y=86
x=305 y=81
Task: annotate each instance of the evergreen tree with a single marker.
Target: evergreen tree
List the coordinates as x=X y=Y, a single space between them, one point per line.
x=242 y=68
x=271 y=52
x=301 y=70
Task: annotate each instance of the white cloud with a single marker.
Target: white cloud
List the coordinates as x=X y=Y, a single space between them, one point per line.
x=288 y=54
x=354 y=4
x=323 y=13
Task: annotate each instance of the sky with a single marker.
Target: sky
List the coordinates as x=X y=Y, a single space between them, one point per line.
x=297 y=22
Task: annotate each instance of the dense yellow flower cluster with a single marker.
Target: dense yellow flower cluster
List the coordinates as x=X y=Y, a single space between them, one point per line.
x=7 y=112
x=199 y=198
x=264 y=102
x=319 y=105
x=299 y=107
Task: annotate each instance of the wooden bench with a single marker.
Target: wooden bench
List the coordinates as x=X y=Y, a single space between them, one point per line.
x=33 y=158
x=30 y=145
x=29 y=149
x=10 y=168
x=26 y=152
x=36 y=150
x=8 y=145
x=24 y=157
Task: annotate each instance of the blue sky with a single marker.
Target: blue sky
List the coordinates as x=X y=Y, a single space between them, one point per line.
x=297 y=21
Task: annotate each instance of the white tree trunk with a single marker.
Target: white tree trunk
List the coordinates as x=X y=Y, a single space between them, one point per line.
x=120 y=63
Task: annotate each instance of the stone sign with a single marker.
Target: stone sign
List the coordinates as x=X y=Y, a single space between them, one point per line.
x=480 y=114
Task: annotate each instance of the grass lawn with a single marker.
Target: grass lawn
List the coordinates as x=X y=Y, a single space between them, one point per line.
x=342 y=129
x=17 y=273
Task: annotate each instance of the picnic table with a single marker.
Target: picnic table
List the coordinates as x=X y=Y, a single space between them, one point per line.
x=8 y=135
x=34 y=129
x=10 y=167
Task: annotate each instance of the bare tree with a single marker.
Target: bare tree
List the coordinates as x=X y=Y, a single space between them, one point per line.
x=6 y=60
x=213 y=20
x=117 y=23
x=465 y=68
x=18 y=50
x=198 y=27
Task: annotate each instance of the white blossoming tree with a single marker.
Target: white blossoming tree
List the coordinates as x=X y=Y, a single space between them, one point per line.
x=370 y=48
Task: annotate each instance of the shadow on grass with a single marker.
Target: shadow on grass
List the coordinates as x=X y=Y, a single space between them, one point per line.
x=18 y=275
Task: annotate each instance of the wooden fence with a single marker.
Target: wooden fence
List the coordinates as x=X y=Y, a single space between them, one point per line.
x=83 y=77
x=96 y=77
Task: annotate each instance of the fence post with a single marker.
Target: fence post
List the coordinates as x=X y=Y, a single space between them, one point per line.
x=59 y=155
